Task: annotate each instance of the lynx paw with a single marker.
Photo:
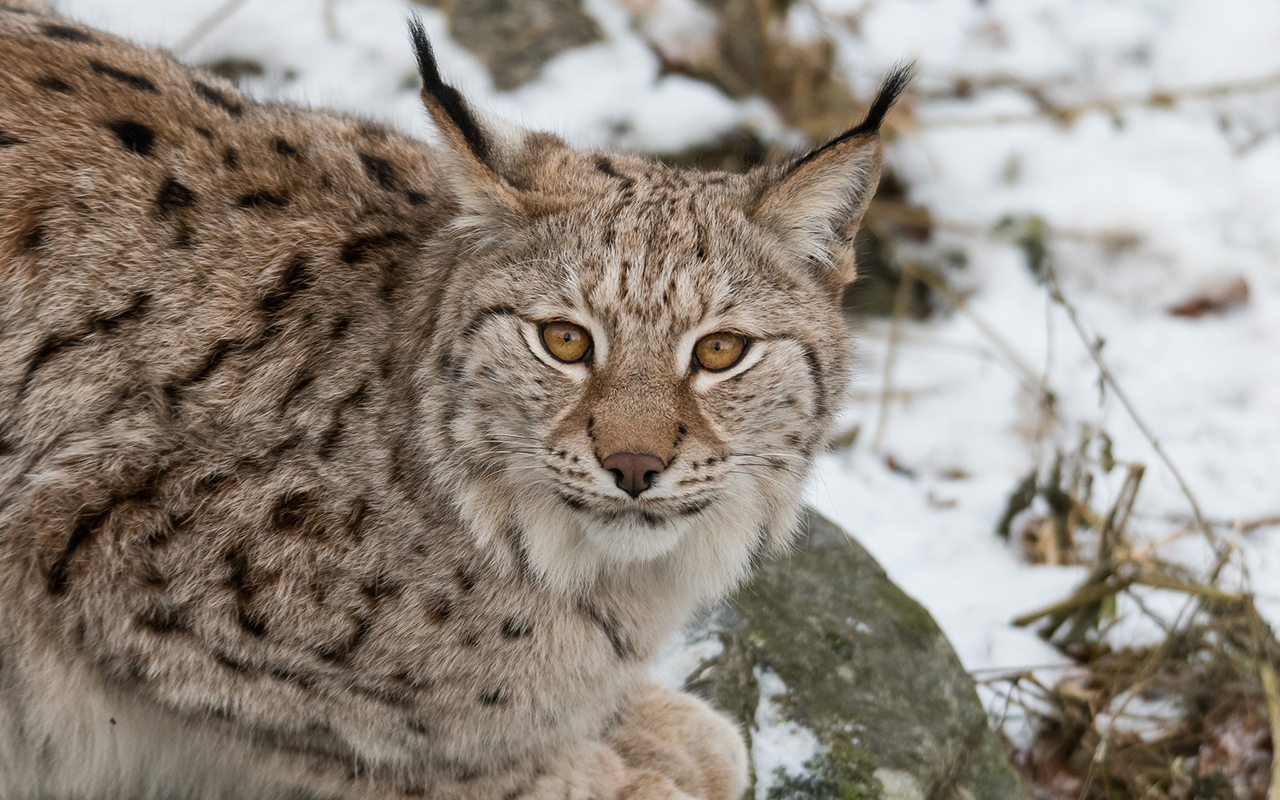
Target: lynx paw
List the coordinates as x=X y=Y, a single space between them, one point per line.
x=677 y=737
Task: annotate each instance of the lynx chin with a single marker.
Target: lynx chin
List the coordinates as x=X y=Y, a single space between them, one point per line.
x=334 y=464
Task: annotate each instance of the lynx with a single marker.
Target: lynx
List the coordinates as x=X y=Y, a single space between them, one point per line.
x=338 y=464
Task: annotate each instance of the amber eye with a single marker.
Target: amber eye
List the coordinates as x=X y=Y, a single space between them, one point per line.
x=720 y=350
x=566 y=341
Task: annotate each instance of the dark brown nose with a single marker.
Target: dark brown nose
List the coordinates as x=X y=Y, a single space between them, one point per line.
x=633 y=470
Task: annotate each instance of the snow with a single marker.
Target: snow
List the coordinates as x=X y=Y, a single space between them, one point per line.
x=1193 y=188
x=776 y=743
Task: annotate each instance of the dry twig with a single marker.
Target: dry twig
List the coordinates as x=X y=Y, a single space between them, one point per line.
x=205 y=26
x=1094 y=348
x=1067 y=113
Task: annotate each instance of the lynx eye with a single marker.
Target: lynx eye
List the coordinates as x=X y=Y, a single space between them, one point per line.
x=565 y=341
x=720 y=350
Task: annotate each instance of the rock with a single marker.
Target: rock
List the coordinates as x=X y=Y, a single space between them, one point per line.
x=514 y=38
x=867 y=672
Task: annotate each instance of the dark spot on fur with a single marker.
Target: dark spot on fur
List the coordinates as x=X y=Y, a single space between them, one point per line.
x=339 y=328
x=66 y=33
x=290 y=675
x=419 y=726
x=104 y=324
x=108 y=323
x=261 y=199
x=380 y=587
x=49 y=346
x=571 y=502
x=163 y=617
x=389 y=281
x=815 y=375
x=219 y=99
x=34 y=238
x=160 y=535
x=294 y=278
x=54 y=84
x=9 y=140
x=360 y=247
x=286 y=149
x=301 y=380
x=293 y=511
x=692 y=508
x=353 y=522
x=231 y=662
x=415 y=198
x=138 y=82
x=230 y=159
x=331 y=434
x=222 y=713
x=516 y=628
x=238 y=575
x=86 y=526
x=466 y=579
x=399 y=697
x=609 y=625
x=172 y=196
x=221 y=349
x=252 y=622
x=136 y=137
x=441 y=607
x=494 y=697
x=482 y=316
x=339 y=651
x=606 y=166
x=381 y=171
x=205 y=132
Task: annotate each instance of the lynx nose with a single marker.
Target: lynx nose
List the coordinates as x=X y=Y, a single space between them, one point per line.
x=633 y=471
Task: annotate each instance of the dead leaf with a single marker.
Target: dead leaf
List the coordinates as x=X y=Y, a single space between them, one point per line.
x=1215 y=300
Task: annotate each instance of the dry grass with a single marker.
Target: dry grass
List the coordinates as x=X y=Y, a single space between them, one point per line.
x=1193 y=716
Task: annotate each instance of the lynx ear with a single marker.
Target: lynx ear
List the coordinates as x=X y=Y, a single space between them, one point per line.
x=817 y=204
x=484 y=158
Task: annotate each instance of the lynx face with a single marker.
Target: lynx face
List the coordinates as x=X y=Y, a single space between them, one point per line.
x=645 y=360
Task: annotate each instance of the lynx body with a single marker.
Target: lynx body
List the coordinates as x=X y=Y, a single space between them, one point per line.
x=296 y=498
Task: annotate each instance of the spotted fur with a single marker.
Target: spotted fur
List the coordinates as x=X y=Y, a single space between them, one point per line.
x=293 y=502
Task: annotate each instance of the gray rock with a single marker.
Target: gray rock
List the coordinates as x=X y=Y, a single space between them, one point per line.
x=514 y=38
x=867 y=671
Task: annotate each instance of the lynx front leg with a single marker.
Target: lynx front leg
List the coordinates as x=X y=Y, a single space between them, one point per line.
x=681 y=738
x=667 y=746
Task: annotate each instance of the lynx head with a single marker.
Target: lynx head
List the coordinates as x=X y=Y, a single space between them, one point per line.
x=641 y=361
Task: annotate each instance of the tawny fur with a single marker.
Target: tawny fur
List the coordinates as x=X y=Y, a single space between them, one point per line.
x=292 y=498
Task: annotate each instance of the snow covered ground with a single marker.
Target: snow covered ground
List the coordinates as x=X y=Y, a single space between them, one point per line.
x=1153 y=203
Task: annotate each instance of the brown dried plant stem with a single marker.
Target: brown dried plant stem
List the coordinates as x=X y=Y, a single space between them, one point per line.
x=205 y=26
x=1066 y=113
x=1029 y=375
x=1271 y=686
x=1095 y=353
x=901 y=301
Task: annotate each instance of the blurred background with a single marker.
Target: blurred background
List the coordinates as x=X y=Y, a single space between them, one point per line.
x=1063 y=435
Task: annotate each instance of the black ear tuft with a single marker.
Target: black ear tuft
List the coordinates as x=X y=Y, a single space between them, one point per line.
x=897 y=81
x=899 y=77
x=446 y=97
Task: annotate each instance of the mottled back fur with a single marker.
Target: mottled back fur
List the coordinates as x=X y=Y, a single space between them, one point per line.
x=293 y=495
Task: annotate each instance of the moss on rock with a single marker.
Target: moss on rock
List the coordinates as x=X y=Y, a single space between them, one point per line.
x=867 y=671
